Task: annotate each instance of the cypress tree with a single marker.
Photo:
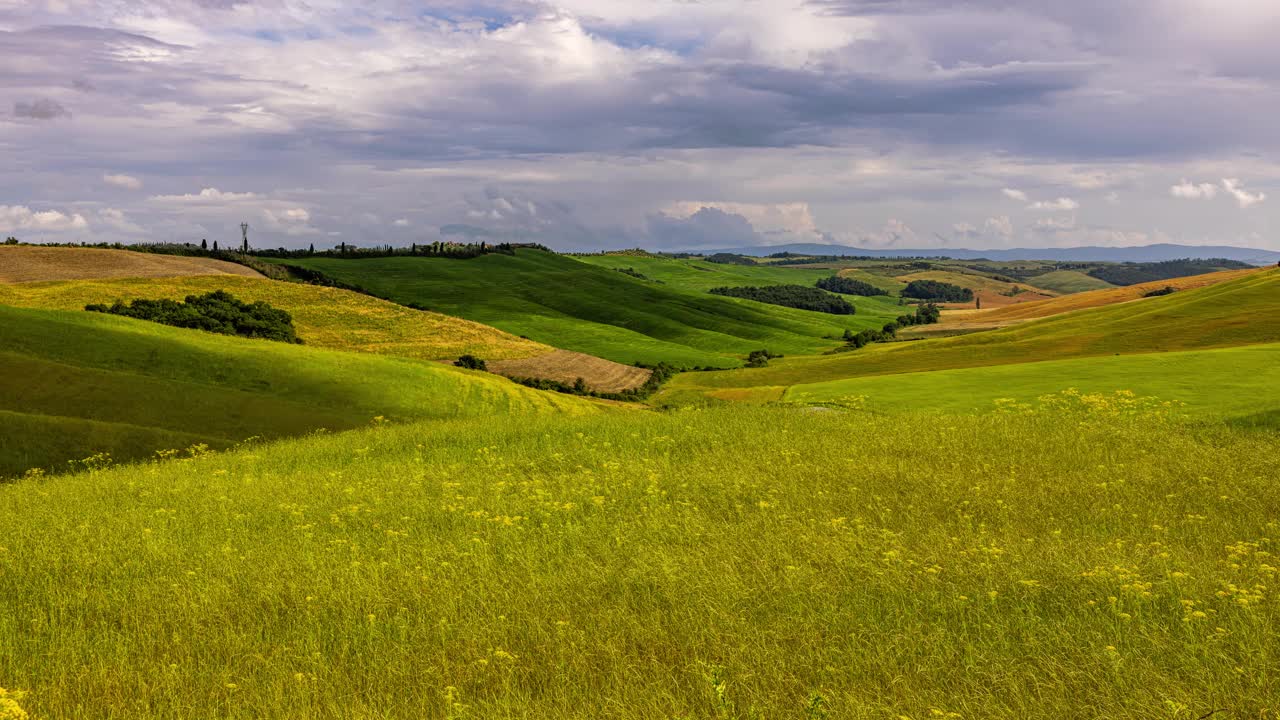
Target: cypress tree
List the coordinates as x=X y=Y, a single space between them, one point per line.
x=204 y=244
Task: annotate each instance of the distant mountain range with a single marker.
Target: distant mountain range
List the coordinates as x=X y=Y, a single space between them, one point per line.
x=1145 y=253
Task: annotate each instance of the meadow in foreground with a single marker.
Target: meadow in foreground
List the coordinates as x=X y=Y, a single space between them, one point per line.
x=1093 y=557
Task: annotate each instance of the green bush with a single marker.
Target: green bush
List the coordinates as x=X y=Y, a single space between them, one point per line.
x=215 y=312
x=471 y=362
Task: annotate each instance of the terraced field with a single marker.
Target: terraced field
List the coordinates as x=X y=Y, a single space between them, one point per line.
x=581 y=307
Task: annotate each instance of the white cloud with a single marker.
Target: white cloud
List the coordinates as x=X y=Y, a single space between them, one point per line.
x=205 y=197
x=1054 y=225
x=778 y=217
x=1001 y=226
x=1242 y=196
x=128 y=182
x=402 y=222
x=117 y=220
x=1013 y=194
x=1192 y=191
x=290 y=221
x=21 y=217
x=1060 y=205
x=1112 y=198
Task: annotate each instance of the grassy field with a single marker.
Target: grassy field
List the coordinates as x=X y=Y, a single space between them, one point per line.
x=577 y=306
x=700 y=275
x=325 y=317
x=1242 y=311
x=889 y=284
x=992 y=292
x=1235 y=383
x=1069 y=281
x=1097 y=560
x=130 y=387
x=1097 y=298
x=24 y=263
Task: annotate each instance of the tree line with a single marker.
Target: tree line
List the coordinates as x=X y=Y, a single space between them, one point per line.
x=926 y=314
x=794 y=296
x=1136 y=273
x=849 y=286
x=936 y=291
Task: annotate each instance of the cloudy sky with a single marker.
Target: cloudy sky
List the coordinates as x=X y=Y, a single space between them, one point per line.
x=658 y=123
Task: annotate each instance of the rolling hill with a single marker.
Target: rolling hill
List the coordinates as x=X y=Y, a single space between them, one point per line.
x=29 y=263
x=1095 y=298
x=325 y=317
x=699 y=275
x=1069 y=281
x=87 y=383
x=1231 y=383
x=581 y=307
x=1241 y=311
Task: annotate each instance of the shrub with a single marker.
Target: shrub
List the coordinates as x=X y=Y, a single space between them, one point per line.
x=1166 y=290
x=471 y=362
x=216 y=312
x=760 y=358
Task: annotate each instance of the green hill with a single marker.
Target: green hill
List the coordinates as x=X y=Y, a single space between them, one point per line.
x=1233 y=383
x=631 y=566
x=1069 y=281
x=578 y=306
x=130 y=387
x=1244 y=311
x=701 y=276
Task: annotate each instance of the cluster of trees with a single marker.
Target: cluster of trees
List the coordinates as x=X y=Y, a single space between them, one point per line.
x=926 y=314
x=216 y=312
x=795 y=296
x=731 y=259
x=658 y=375
x=471 y=362
x=1136 y=273
x=936 y=291
x=11 y=240
x=849 y=286
x=760 y=358
x=1166 y=290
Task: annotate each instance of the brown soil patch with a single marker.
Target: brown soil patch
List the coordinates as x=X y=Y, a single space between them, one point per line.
x=34 y=263
x=564 y=366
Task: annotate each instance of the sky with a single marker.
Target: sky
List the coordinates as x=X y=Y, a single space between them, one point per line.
x=664 y=124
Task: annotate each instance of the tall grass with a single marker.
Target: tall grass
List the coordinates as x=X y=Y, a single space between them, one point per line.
x=1091 y=559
